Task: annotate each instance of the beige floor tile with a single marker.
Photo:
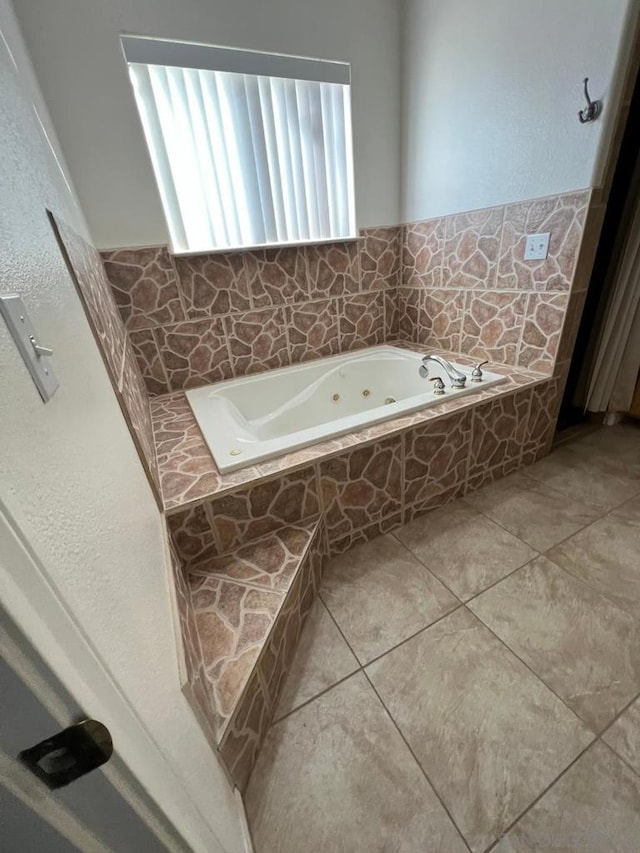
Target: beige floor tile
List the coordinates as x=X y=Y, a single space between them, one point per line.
x=606 y=556
x=536 y=514
x=379 y=595
x=490 y=736
x=336 y=776
x=594 y=808
x=624 y=736
x=467 y=551
x=583 y=646
x=579 y=475
x=629 y=511
x=616 y=448
x=322 y=659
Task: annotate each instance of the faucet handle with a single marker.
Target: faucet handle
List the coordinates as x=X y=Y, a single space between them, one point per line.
x=476 y=373
x=438 y=385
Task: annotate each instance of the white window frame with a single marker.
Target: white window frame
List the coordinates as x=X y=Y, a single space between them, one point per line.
x=212 y=208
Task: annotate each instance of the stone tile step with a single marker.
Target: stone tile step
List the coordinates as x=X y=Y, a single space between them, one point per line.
x=248 y=607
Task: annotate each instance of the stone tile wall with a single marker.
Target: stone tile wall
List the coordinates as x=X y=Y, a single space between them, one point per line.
x=459 y=283
x=197 y=319
x=465 y=285
x=239 y=619
x=369 y=489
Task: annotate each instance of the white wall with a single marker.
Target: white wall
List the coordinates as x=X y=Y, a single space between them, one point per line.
x=71 y=479
x=75 y=49
x=491 y=92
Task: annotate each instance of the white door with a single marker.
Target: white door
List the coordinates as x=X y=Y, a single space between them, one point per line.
x=88 y=814
x=108 y=809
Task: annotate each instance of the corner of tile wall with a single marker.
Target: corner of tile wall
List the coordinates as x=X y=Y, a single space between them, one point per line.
x=88 y=275
x=466 y=287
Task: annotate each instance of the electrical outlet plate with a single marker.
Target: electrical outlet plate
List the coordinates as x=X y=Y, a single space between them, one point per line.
x=537 y=247
x=26 y=339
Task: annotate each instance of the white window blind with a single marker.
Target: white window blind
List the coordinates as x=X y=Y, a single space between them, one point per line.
x=245 y=159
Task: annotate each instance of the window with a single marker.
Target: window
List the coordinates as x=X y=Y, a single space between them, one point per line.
x=248 y=148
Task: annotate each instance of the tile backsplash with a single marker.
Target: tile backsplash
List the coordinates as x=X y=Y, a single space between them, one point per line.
x=198 y=319
x=465 y=285
x=458 y=282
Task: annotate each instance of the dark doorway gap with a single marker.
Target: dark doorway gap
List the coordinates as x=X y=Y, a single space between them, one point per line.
x=599 y=284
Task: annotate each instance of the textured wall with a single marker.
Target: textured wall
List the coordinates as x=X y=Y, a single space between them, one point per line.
x=77 y=56
x=71 y=478
x=491 y=91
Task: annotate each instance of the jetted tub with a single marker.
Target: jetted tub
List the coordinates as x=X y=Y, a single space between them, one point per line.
x=258 y=417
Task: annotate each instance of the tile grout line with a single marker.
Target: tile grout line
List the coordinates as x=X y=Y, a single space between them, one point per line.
x=362 y=668
x=527 y=428
x=154 y=337
x=396 y=726
x=465 y=601
x=425 y=566
x=415 y=758
x=534 y=802
x=539 y=678
x=316 y=696
x=178 y=283
x=520 y=539
x=597 y=739
x=417 y=633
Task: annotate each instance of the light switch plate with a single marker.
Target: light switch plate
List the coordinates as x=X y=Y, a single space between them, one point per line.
x=26 y=339
x=537 y=247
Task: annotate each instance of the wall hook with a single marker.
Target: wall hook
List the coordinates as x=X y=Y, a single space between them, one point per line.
x=593 y=108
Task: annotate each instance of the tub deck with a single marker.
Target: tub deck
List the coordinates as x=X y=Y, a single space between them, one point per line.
x=188 y=473
x=257 y=418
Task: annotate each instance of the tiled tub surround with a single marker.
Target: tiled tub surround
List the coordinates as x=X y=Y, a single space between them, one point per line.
x=257 y=418
x=351 y=478
x=466 y=287
x=458 y=283
x=198 y=319
x=249 y=545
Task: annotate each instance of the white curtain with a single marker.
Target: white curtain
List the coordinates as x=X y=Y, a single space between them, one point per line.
x=614 y=370
x=247 y=160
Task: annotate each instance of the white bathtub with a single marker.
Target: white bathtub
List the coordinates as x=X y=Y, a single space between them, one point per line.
x=258 y=417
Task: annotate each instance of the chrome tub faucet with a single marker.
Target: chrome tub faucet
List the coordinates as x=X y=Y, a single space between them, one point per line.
x=457 y=378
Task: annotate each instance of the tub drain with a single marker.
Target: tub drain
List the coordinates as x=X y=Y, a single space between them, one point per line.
x=390 y=400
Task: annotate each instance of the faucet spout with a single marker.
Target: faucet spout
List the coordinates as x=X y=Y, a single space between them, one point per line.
x=457 y=378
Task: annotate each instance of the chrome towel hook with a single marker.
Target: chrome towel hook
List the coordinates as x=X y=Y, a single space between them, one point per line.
x=593 y=108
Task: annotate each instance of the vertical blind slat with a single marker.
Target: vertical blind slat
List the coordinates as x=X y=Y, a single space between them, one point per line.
x=242 y=160
x=273 y=159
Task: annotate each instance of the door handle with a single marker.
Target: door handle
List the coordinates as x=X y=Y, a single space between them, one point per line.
x=70 y=754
